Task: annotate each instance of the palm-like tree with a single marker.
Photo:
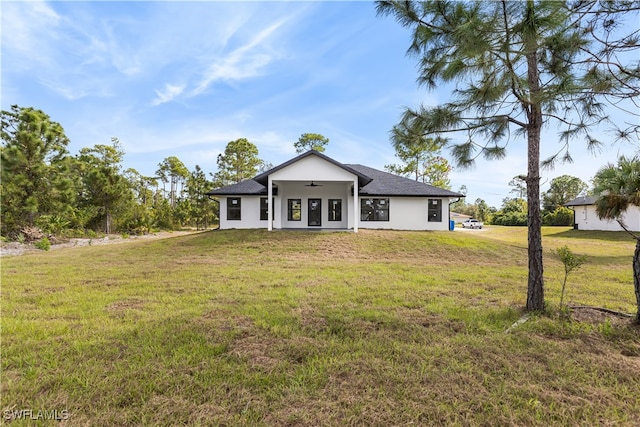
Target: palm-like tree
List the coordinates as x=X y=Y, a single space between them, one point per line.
x=618 y=188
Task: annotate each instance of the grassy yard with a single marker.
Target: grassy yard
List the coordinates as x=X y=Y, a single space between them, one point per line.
x=377 y=328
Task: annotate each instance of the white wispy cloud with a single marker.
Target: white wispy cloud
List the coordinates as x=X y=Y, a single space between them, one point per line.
x=169 y=93
x=234 y=67
x=67 y=53
x=28 y=31
x=68 y=92
x=244 y=62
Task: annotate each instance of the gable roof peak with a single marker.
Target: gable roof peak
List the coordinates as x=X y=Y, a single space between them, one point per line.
x=263 y=178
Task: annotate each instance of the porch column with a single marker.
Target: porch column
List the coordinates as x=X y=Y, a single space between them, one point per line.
x=269 y=205
x=356 y=210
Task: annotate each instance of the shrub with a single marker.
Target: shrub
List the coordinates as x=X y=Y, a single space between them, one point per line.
x=510 y=218
x=53 y=224
x=559 y=217
x=43 y=244
x=71 y=233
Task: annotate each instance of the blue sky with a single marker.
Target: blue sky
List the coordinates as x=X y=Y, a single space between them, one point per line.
x=185 y=78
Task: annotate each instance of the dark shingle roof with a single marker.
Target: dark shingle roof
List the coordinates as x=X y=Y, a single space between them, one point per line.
x=247 y=187
x=582 y=201
x=388 y=184
x=372 y=182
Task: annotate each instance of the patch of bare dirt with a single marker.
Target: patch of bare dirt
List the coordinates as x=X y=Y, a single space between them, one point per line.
x=256 y=350
x=131 y=304
x=595 y=315
x=17 y=248
x=311 y=319
x=340 y=248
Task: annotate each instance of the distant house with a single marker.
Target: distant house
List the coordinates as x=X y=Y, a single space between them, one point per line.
x=314 y=191
x=458 y=218
x=586 y=218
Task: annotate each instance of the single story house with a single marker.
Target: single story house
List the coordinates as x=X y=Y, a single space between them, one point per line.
x=586 y=218
x=314 y=191
x=459 y=218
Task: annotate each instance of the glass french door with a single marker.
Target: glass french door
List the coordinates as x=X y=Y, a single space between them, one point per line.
x=315 y=212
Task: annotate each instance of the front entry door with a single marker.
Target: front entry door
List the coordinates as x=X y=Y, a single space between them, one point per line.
x=315 y=212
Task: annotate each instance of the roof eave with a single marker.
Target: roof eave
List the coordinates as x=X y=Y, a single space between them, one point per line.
x=235 y=193
x=441 y=196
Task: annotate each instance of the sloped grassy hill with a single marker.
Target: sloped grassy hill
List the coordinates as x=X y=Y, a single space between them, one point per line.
x=303 y=328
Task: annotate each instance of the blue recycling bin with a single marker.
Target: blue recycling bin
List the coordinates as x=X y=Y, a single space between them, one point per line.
x=452 y=225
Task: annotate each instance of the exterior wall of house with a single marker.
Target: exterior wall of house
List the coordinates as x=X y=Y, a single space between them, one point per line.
x=405 y=213
x=410 y=213
x=250 y=207
x=249 y=213
x=312 y=168
x=587 y=219
x=326 y=192
x=351 y=217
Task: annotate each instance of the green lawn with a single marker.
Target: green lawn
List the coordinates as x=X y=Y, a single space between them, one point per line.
x=305 y=328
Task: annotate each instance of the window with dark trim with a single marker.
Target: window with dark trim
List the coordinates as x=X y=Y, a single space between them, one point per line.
x=264 y=209
x=294 y=209
x=374 y=209
x=434 y=212
x=234 y=208
x=335 y=209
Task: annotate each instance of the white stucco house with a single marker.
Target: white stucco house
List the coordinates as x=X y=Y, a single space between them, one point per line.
x=459 y=218
x=586 y=218
x=314 y=191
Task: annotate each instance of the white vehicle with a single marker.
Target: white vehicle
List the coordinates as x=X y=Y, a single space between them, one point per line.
x=472 y=223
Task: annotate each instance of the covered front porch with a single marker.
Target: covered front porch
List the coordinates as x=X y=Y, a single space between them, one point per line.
x=312 y=191
x=313 y=205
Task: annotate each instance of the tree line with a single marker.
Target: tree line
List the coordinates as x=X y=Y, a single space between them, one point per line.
x=45 y=189
x=513 y=210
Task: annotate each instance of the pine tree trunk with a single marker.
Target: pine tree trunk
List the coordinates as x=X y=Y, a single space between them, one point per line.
x=636 y=278
x=107 y=222
x=535 y=291
x=172 y=197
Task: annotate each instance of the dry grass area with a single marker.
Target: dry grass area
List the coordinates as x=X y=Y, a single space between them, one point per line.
x=17 y=248
x=376 y=328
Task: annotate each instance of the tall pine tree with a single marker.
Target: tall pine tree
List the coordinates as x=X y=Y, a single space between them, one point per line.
x=103 y=184
x=517 y=67
x=239 y=161
x=35 y=173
